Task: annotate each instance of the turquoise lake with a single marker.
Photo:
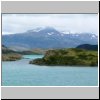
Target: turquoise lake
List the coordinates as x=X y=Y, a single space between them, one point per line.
x=21 y=73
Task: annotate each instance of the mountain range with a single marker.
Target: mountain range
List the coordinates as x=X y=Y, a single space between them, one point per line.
x=48 y=37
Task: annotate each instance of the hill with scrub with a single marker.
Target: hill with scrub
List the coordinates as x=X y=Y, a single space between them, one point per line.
x=72 y=57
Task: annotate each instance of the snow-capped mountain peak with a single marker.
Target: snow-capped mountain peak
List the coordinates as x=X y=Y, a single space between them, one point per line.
x=48 y=37
x=37 y=29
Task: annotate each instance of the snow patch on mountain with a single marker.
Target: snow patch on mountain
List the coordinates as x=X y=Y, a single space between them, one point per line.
x=50 y=33
x=66 y=32
x=93 y=36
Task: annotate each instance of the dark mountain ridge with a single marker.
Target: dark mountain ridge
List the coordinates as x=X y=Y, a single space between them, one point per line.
x=88 y=47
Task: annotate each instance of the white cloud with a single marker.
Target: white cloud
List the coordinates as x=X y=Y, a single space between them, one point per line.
x=17 y=23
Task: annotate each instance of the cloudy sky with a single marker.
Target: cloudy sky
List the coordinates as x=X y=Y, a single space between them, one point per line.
x=18 y=23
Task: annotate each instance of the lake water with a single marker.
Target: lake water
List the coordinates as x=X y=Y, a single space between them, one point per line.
x=21 y=73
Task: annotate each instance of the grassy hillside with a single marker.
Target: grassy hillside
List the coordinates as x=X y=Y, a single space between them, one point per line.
x=11 y=57
x=72 y=56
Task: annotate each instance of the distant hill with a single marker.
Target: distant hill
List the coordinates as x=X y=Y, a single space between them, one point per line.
x=72 y=57
x=88 y=47
x=18 y=48
x=9 y=50
x=47 y=37
x=6 y=50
